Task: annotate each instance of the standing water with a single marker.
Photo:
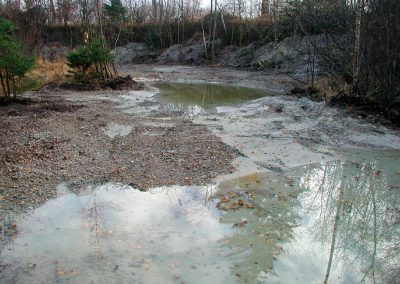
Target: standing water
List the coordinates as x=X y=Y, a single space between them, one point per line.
x=335 y=222
x=196 y=98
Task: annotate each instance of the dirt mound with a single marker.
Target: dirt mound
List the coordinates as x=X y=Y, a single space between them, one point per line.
x=233 y=56
x=191 y=52
x=123 y=83
x=183 y=54
x=77 y=86
x=134 y=52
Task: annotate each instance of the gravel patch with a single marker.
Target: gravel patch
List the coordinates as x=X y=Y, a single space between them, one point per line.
x=54 y=141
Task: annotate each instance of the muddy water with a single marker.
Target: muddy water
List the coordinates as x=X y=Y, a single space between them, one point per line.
x=197 y=98
x=336 y=221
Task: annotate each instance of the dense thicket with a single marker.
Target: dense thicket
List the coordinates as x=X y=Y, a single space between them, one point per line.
x=380 y=53
x=360 y=47
x=167 y=21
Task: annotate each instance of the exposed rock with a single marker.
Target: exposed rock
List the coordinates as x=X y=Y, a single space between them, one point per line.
x=291 y=55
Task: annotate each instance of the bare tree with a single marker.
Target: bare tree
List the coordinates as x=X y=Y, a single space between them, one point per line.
x=357 y=43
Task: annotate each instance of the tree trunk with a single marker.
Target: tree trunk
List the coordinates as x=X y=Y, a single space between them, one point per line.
x=85 y=15
x=264 y=8
x=99 y=8
x=52 y=12
x=154 y=4
x=204 y=41
x=214 y=30
x=8 y=84
x=3 y=85
x=357 y=45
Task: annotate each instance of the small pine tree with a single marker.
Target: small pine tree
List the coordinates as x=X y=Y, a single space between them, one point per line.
x=91 y=62
x=13 y=63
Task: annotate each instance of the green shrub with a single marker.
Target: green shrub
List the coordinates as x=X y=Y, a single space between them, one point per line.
x=98 y=53
x=80 y=59
x=91 y=62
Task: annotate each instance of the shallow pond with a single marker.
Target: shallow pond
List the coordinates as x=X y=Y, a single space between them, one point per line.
x=334 y=221
x=197 y=98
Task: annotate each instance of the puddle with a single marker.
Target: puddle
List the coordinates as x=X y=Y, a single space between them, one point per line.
x=197 y=98
x=350 y=226
x=335 y=221
x=116 y=234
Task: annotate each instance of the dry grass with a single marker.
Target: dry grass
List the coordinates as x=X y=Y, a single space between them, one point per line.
x=47 y=72
x=43 y=73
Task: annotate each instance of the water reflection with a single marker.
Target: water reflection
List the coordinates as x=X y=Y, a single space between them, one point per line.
x=115 y=234
x=193 y=99
x=350 y=229
x=334 y=222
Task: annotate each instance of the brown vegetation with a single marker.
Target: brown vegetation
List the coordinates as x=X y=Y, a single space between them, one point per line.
x=47 y=72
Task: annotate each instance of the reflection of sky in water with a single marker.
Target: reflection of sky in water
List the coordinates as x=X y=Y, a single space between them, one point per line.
x=350 y=210
x=176 y=234
x=112 y=235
